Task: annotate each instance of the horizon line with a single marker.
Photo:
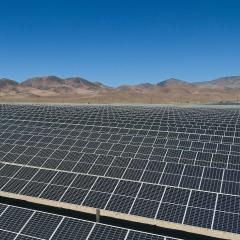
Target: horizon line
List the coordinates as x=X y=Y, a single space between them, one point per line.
x=124 y=84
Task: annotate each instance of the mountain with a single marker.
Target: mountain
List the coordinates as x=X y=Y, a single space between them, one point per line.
x=53 y=82
x=145 y=85
x=78 y=82
x=142 y=87
x=43 y=83
x=172 y=82
x=7 y=83
x=232 y=82
x=77 y=89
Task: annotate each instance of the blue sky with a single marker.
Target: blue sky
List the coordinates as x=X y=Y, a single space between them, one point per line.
x=120 y=41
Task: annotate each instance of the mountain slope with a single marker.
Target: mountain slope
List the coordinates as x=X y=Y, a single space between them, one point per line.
x=43 y=83
x=78 y=82
x=51 y=82
x=7 y=83
x=172 y=82
x=168 y=91
x=232 y=82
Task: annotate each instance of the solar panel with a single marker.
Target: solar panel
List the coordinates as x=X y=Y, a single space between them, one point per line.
x=19 y=223
x=160 y=163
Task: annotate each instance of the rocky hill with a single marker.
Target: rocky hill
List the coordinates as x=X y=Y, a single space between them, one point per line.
x=51 y=88
x=7 y=83
x=232 y=82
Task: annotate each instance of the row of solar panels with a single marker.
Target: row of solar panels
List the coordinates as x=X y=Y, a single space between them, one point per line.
x=59 y=136
x=204 y=209
x=10 y=152
x=137 y=124
x=181 y=134
x=66 y=115
x=167 y=173
x=194 y=141
x=17 y=223
x=131 y=127
x=131 y=109
x=134 y=149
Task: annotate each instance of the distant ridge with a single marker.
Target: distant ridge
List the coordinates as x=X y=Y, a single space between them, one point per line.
x=43 y=82
x=168 y=91
x=46 y=82
x=4 y=83
x=53 y=82
x=227 y=82
x=172 y=81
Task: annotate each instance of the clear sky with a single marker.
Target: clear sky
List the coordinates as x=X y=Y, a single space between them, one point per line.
x=120 y=41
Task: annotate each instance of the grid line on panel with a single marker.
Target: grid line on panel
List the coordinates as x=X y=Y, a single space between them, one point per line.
x=25 y=224
x=60 y=199
x=89 y=190
x=160 y=203
x=58 y=226
x=187 y=205
x=112 y=194
x=4 y=211
x=135 y=198
x=180 y=180
x=162 y=173
x=30 y=180
x=91 y=231
x=201 y=177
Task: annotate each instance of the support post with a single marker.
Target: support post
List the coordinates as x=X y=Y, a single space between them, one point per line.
x=97 y=215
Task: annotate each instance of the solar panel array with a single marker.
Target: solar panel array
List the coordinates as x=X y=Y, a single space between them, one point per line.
x=180 y=165
x=24 y=224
